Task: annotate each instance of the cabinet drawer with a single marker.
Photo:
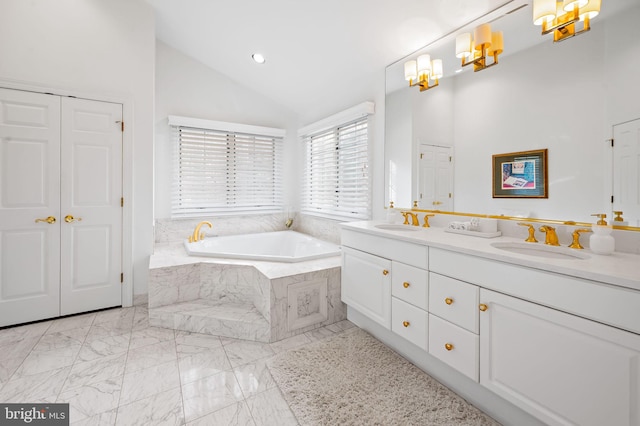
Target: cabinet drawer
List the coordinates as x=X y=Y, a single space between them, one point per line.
x=409 y=322
x=410 y=284
x=454 y=301
x=410 y=253
x=455 y=346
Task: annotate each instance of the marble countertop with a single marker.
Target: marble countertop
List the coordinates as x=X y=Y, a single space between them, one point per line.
x=173 y=254
x=620 y=269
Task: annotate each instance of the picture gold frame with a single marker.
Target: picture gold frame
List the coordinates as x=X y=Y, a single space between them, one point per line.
x=520 y=174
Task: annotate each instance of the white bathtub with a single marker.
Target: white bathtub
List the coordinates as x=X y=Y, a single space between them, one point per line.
x=280 y=246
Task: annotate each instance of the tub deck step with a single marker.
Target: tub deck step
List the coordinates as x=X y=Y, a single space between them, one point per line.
x=238 y=321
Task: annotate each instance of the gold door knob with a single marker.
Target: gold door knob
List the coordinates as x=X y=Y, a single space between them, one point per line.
x=50 y=220
x=385 y=272
x=405 y=284
x=437 y=203
x=68 y=218
x=448 y=300
x=448 y=346
x=406 y=323
x=483 y=307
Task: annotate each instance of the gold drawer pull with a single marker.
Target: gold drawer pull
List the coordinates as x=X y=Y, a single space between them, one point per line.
x=448 y=300
x=448 y=346
x=406 y=323
x=50 y=220
x=406 y=284
x=483 y=307
x=385 y=272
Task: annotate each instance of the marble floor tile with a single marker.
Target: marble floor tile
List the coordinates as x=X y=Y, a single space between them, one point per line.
x=117 y=314
x=150 y=336
x=90 y=400
x=243 y=351
x=104 y=346
x=112 y=328
x=44 y=386
x=140 y=318
x=15 y=334
x=61 y=339
x=13 y=354
x=108 y=418
x=210 y=394
x=254 y=377
x=98 y=370
x=319 y=334
x=197 y=362
x=341 y=326
x=71 y=322
x=161 y=409
x=234 y=415
x=141 y=384
x=270 y=405
x=290 y=342
x=151 y=355
x=197 y=339
x=40 y=361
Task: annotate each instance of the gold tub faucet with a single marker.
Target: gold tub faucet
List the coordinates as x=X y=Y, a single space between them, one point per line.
x=197 y=235
x=550 y=237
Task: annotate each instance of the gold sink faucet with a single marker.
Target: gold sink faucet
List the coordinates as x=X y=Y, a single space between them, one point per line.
x=414 y=218
x=532 y=232
x=576 y=238
x=550 y=237
x=426 y=220
x=197 y=236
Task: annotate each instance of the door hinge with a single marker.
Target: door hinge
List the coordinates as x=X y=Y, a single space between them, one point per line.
x=449 y=195
x=450 y=158
x=612 y=199
x=121 y=125
x=121 y=201
x=611 y=140
x=121 y=277
x=421 y=156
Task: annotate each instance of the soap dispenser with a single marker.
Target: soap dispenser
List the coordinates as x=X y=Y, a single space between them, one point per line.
x=392 y=214
x=601 y=241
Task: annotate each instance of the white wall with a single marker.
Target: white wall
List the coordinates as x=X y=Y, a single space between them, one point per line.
x=98 y=49
x=189 y=88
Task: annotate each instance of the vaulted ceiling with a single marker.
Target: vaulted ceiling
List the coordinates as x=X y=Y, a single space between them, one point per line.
x=321 y=56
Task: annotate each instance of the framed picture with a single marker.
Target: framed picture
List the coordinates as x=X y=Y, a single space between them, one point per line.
x=520 y=174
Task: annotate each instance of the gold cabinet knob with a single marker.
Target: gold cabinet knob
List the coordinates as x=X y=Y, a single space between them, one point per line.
x=448 y=346
x=405 y=284
x=50 y=220
x=483 y=307
x=68 y=218
x=448 y=300
x=406 y=323
x=385 y=272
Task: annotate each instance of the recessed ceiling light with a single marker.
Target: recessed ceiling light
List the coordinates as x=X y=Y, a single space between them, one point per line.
x=258 y=58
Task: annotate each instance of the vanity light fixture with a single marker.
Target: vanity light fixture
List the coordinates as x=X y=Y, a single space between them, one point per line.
x=561 y=17
x=476 y=50
x=419 y=71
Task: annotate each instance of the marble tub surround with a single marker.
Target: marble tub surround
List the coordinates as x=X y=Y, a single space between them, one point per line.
x=242 y=299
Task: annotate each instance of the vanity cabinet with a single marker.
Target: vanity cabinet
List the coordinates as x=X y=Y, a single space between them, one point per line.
x=563 y=369
x=366 y=284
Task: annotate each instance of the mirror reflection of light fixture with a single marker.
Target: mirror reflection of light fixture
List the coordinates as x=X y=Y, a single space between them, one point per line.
x=484 y=44
x=561 y=17
x=418 y=72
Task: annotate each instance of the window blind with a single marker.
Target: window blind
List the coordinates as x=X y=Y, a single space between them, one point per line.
x=219 y=171
x=336 y=174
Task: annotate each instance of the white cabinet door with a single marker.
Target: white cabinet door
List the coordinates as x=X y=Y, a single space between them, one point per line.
x=563 y=369
x=29 y=190
x=91 y=182
x=366 y=284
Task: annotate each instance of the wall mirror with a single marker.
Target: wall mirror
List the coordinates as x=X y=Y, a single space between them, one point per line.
x=570 y=98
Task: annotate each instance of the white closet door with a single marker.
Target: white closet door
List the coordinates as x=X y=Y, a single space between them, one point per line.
x=626 y=177
x=29 y=190
x=91 y=188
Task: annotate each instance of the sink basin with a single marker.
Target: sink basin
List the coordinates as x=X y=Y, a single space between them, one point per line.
x=396 y=227
x=541 y=250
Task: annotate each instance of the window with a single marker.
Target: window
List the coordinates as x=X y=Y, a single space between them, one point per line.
x=336 y=174
x=223 y=171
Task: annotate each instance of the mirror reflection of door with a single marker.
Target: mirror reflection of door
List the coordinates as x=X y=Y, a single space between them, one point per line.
x=626 y=178
x=435 y=177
